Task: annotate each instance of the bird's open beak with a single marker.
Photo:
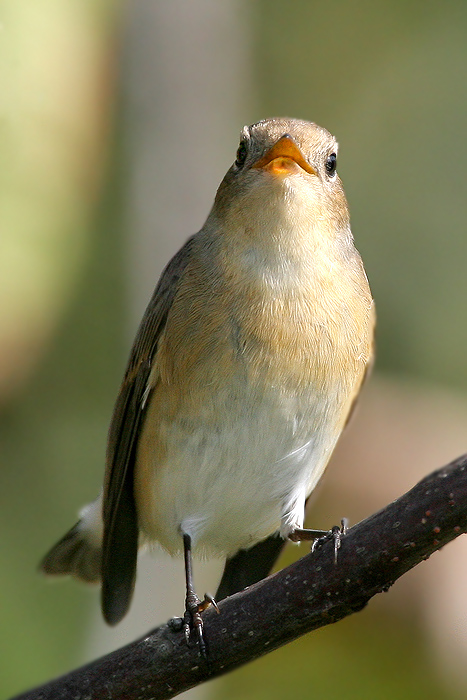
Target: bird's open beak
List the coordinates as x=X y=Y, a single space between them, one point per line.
x=283 y=158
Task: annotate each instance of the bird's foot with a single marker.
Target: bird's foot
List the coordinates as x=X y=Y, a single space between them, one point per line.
x=336 y=534
x=319 y=537
x=192 y=620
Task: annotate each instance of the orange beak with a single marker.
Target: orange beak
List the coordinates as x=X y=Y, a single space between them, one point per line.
x=283 y=158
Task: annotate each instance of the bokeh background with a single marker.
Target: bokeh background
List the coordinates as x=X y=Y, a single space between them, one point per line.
x=117 y=122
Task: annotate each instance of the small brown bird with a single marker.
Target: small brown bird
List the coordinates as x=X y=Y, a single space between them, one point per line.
x=243 y=374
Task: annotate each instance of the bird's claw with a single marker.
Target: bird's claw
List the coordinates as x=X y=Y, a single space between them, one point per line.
x=336 y=533
x=209 y=600
x=192 y=619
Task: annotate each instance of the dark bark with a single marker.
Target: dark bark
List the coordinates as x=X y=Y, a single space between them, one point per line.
x=310 y=593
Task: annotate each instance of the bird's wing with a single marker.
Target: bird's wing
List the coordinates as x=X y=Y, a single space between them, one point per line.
x=120 y=543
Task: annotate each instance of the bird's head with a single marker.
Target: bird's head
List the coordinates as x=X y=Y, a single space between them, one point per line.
x=284 y=174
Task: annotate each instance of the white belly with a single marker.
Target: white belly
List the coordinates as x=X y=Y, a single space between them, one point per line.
x=236 y=473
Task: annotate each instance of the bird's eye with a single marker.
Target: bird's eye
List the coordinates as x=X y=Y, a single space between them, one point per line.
x=331 y=164
x=241 y=154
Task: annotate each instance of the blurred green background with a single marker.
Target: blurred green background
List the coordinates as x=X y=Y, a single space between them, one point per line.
x=117 y=122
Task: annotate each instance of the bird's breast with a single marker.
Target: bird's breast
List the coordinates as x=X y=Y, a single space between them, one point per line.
x=251 y=387
x=283 y=326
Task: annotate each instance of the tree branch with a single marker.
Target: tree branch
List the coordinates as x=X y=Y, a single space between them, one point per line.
x=310 y=593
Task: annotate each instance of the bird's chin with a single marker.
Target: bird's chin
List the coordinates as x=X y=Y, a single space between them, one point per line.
x=289 y=185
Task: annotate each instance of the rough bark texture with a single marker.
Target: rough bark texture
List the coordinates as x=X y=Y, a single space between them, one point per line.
x=310 y=593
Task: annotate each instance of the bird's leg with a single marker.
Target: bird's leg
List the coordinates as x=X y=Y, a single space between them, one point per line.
x=192 y=617
x=193 y=605
x=319 y=537
x=299 y=535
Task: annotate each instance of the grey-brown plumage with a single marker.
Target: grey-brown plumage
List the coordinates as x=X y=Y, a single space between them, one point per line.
x=242 y=376
x=75 y=555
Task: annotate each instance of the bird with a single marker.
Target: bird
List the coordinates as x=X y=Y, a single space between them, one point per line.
x=244 y=372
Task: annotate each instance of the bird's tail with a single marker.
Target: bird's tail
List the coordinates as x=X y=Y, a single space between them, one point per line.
x=248 y=566
x=79 y=552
